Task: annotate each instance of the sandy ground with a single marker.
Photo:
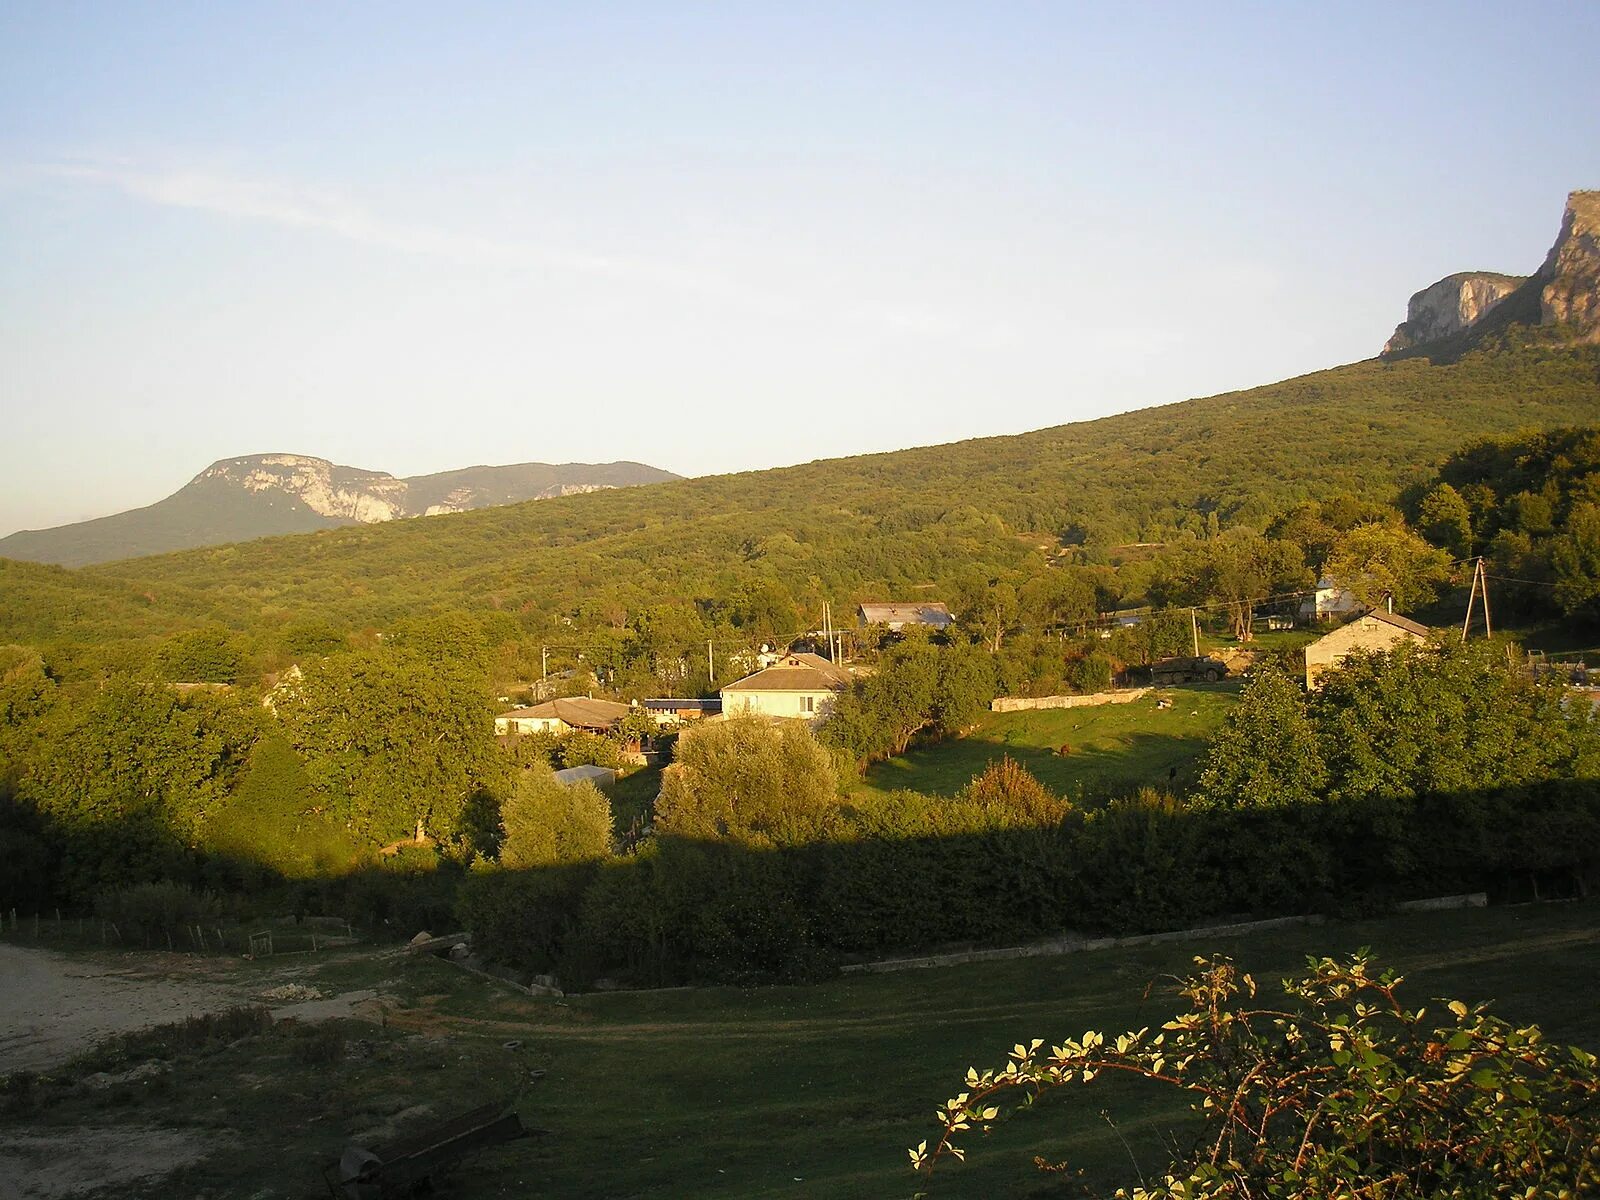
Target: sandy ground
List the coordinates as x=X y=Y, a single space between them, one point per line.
x=53 y=1007
x=37 y=1164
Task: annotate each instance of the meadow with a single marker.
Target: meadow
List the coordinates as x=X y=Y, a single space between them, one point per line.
x=1112 y=750
x=812 y=1091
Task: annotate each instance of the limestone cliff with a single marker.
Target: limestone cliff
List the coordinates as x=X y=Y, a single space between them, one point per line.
x=260 y=495
x=1571 y=273
x=1455 y=303
x=1564 y=294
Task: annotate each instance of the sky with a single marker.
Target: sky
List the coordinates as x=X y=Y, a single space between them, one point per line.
x=414 y=237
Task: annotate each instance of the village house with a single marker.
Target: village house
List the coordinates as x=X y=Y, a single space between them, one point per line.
x=797 y=686
x=1373 y=631
x=897 y=615
x=563 y=715
x=1329 y=602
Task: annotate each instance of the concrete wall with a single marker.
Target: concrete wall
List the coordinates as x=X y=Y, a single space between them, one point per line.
x=1024 y=703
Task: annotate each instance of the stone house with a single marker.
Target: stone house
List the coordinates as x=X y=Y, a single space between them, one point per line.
x=1371 y=632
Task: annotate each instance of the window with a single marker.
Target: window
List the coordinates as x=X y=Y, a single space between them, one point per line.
x=808 y=704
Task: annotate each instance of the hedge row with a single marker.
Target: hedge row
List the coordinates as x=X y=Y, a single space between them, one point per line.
x=682 y=911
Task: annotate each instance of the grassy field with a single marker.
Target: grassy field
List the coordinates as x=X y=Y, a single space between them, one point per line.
x=1114 y=749
x=780 y=1092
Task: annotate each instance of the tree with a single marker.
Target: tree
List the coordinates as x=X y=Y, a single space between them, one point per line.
x=394 y=742
x=1238 y=569
x=1445 y=520
x=1379 y=561
x=1575 y=556
x=748 y=781
x=1443 y=719
x=1340 y=1090
x=548 y=823
x=206 y=655
x=1266 y=754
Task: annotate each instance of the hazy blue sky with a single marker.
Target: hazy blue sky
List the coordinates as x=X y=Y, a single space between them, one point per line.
x=716 y=237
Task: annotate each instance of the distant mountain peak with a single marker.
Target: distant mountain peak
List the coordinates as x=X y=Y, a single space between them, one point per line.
x=1565 y=291
x=260 y=495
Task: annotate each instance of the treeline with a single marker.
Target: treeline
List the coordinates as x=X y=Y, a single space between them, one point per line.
x=1430 y=770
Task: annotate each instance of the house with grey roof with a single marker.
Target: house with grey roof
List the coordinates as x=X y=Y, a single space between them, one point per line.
x=797 y=686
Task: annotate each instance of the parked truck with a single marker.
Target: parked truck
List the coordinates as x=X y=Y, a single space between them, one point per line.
x=1187 y=670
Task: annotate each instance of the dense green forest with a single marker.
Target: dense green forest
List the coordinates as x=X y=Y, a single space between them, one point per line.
x=745 y=558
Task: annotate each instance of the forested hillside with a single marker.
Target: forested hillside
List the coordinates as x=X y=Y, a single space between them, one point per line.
x=877 y=525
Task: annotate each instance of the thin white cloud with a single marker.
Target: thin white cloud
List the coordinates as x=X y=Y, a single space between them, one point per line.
x=296 y=206
x=319 y=210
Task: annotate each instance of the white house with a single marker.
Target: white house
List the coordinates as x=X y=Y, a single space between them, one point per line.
x=798 y=686
x=1329 y=602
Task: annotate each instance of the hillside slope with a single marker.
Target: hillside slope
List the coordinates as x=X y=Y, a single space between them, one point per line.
x=261 y=495
x=878 y=524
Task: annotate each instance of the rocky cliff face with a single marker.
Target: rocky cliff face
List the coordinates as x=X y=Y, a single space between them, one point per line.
x=1454 y=303
x=1564 y=291
x=1571 y=273
x=261 y=495
x=329 y=490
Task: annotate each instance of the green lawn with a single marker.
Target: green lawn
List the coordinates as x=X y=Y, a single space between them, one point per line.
x=779 y=1092
x=1114 y=749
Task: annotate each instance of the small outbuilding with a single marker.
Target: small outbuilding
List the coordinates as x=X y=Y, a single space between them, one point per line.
x=1371 y=632
x=599 y=776
x=798 y=686
x=563 y=715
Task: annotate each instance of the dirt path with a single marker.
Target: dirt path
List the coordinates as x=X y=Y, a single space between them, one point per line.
x=53 y=1006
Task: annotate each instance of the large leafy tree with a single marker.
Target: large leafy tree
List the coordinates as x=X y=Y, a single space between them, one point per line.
x=1379 y=561
x=1575 y=557
x=1266 y=755
x=1445 y=718
x=394 y=742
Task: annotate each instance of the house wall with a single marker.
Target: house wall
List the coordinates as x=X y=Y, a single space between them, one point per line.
x=531 y=725
x=1364 y=633
x=778 y=704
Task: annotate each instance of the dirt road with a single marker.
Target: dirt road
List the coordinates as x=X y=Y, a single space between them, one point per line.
x=53 y=1006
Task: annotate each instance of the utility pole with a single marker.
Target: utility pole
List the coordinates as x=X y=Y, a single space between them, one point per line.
x=1478 y=593
x=1194 y=629
x=544 y=671
x=711 y=664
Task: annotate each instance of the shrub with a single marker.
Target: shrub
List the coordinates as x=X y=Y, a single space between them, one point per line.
x=147 y=909
x=750 y=781
x=1337 y=1090
x=547 y=822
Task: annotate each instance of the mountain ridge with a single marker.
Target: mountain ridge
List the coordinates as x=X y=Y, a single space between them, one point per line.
x=264 y=495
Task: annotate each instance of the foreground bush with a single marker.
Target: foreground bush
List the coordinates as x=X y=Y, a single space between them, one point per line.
x=1339 y=1091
